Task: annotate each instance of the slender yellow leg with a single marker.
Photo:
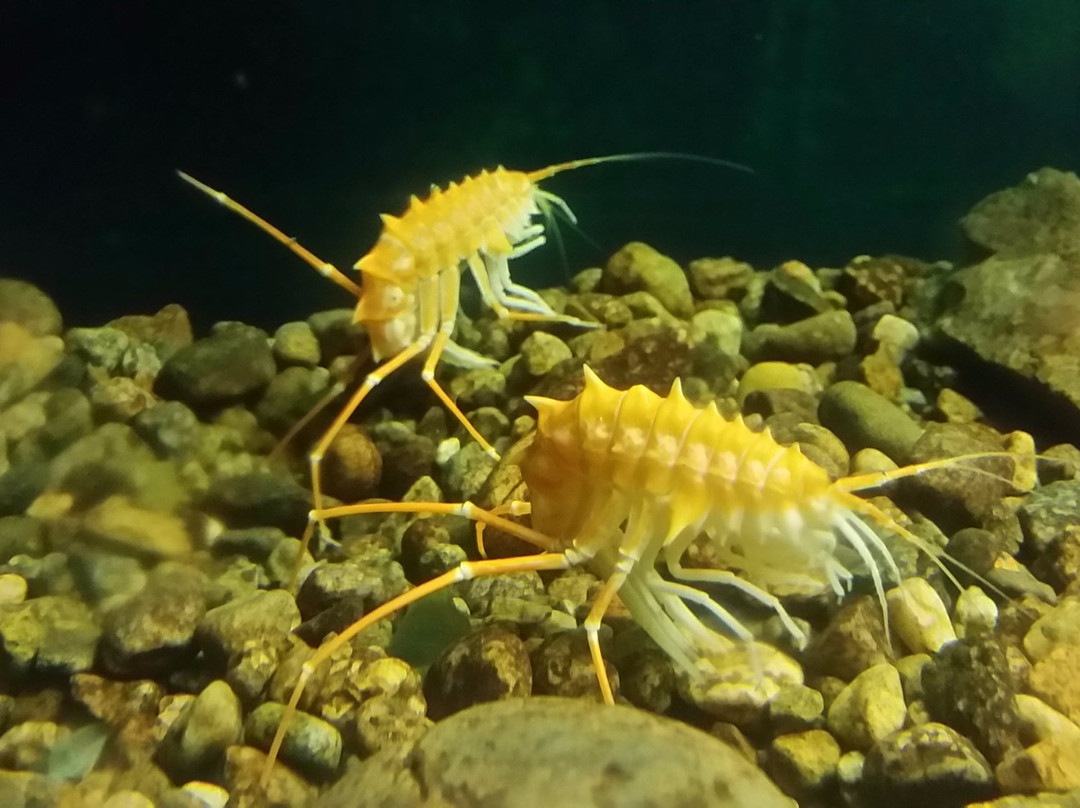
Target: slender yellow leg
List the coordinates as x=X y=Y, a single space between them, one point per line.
x=371 y=381
x=515 y=508
x=464 y=572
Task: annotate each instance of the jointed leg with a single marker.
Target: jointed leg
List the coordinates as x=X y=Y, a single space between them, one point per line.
x=725 y=578
x=448 y=292
x=438 y=345
x=464 y=572
x=371 y=381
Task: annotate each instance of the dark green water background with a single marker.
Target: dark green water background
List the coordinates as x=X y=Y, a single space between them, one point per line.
x=872 y=125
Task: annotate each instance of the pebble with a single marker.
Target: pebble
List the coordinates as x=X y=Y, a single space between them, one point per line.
x=719 y=278
x=259 y=499
x=953 y=496
x=862 y=418
x=197 y=794
x=243 y=640
x=604 y=755
x=1054 y=679
x=646 y=676
x=562 y=666
x=956 y=408
x=406 y=456
x=910 y=669
x=25 y=360
x=312 y=746
x=232 y=363
x=480 y=387
x=166 y=330
x=723 y=328
x=119 y=399
x=796 y=708
x=374 y=579
x=128 y=799
x=153 y=631
x=194 y=746
x=121 y=524
x=853 y=641
x=869 y=708
x=100 y=347
x=736 y=686
x=1060 y=626
x=170 y=428
x=1042 y=800
x=1052 y=760
x=12 y=589
x=967 y=685
x=638 y=267
x=130 y=710
x=26 y=746
x=918 y=616
x=28 y=306
x=485 y=665
x=930 y=765
x=824 y=337
x=792 y=292
x=296 y=344
x=776 y=376
x=52 y=634
x=975 y=613
x=242 y=778
x=352 y=467
x=21 y=535
x=290 y=395
x=540 y=352
x=803 y=764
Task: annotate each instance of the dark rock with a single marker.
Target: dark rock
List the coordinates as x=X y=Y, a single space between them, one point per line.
x=259 y=499
x=562 y=666
x=312 y=746
x=244 y=639
x=1020 y=313
x=486 y=665
x=1050 y=520
x=862 y=418
x=792 y=293
x=153 y=632
x=929 y=765
x=230 y=365
x=853 y=641
x=967 y=685
x=958 y=495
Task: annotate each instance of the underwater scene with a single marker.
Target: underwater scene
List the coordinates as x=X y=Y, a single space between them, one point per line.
x=572 y=404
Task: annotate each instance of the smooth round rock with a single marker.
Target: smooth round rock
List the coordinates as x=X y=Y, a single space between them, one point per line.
x=544 y=752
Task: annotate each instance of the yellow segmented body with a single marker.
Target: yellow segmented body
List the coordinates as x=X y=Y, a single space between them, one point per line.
x=630 y=477
x=620 y=480
x=484 y=216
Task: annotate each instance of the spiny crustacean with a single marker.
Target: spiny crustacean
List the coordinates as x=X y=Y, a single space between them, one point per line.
x=408 y=298
x=620 y=480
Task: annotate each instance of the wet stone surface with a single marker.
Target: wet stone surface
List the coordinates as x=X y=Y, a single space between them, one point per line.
x=545 y=751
